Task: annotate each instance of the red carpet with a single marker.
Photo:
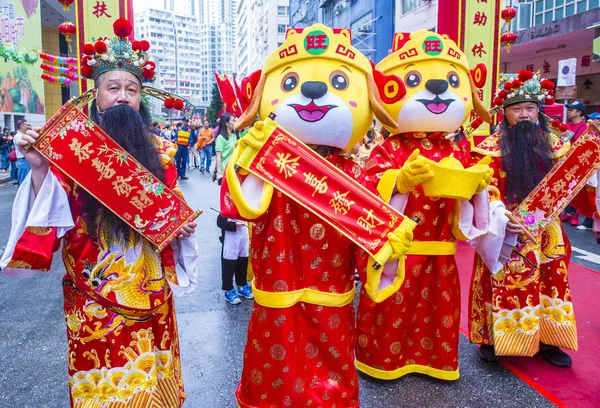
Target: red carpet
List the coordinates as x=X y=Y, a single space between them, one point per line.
x=578 y=386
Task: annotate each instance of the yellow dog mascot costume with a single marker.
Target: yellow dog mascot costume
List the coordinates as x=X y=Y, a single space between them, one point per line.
x=419 y=170
x=300 y=348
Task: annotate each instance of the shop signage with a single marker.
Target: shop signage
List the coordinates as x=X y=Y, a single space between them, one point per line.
x=565 y=92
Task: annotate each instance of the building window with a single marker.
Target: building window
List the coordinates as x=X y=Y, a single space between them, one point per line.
x=281 y=28
x=547 y=11
x=409 y=5
x=282 y=11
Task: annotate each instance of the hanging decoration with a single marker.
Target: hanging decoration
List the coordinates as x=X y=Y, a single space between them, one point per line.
x=64 y=80
x=508 y=37
x=66 y=4
x=56 y=59
x=171 y=103
x=65 y=67
x=67 y=29
x=60 y=70
x=19 y=55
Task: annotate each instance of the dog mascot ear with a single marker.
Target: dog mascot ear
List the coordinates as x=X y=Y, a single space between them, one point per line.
x=478 y=77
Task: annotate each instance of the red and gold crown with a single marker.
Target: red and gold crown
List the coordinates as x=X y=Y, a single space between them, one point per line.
x=104 y=55
x=526 y=86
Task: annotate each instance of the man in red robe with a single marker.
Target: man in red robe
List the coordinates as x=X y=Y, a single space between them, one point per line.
x=520 y=298
x=123 y=346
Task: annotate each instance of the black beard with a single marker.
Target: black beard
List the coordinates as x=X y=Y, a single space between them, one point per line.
x=132 y=131
x=526 y=158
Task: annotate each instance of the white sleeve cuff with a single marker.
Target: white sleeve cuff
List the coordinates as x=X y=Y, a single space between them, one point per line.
x=186 y=256
x=496 y=245
x=49 y=209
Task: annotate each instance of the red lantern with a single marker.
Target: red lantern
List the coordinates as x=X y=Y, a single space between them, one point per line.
x=508 y=38
x=67 y=29
x=508 y=14
x=66 y=4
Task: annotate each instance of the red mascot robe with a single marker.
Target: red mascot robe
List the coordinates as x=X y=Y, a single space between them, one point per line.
x=416 y=330
x=521 y=297
x=123 y=346
x=300 y=348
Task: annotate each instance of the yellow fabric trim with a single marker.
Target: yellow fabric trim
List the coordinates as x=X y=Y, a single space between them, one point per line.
x=387 y=184
x=458 y=234
x=376 y=294
x=432 y=248
x=280 y=300
x=409 y=369
x=235 y=188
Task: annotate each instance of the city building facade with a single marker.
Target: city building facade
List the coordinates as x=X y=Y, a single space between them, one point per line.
x=189 y=46
x=261 y=28
x=551 y=31
x=174 y=42
x=371 y=21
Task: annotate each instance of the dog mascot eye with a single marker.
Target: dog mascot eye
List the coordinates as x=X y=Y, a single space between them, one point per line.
x=338 y=80
x=412 y=79
x=290 y=81
x=453 y=79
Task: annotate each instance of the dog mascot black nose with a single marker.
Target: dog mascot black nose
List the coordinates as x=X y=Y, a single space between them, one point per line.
x=436 y=86
x=314 y=89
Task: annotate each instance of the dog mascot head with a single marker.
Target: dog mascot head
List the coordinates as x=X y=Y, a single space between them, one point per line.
x=439 y=92
x=320 y=87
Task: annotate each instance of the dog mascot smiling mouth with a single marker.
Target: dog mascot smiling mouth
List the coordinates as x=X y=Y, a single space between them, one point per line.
x=311 y=112
x=436 y=105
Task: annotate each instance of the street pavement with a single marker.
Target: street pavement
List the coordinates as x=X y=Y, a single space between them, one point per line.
x=33 y=352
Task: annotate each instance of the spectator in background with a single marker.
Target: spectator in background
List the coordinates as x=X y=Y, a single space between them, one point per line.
x=23 y=166
x=156 y=128
x=13 y=164
x=225 y=143
x=5 y=148
x=167 y=132
x=205 y=145
x=182 y=139
x=576 y=119
x=194 y=156
x=576 y=124
x=365 y=148
x=234 y=259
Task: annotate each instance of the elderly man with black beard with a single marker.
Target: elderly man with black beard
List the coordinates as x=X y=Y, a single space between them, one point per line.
x=520 y=302
x=123 y=345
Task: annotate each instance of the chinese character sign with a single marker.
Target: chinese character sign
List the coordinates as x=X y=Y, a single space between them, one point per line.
x=95 y=19
x=480 y=41
x=298 y=172
x=21 y=87
x=81 y=150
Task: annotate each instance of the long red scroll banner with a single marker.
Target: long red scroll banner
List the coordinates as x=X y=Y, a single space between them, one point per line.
x=560 y=186
x=73 y=143
x=297 y=171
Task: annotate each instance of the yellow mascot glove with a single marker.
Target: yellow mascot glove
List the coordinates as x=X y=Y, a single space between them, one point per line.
x=415 y=171
x=401 y=241
x=487 y=179
x=255 y=138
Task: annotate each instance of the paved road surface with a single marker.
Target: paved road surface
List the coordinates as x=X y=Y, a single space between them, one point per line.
x=33 y=363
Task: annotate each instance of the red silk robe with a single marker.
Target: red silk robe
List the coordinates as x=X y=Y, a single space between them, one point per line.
x=122 y=333
x=301 y=334
x=528 y=300
x=416 y=330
